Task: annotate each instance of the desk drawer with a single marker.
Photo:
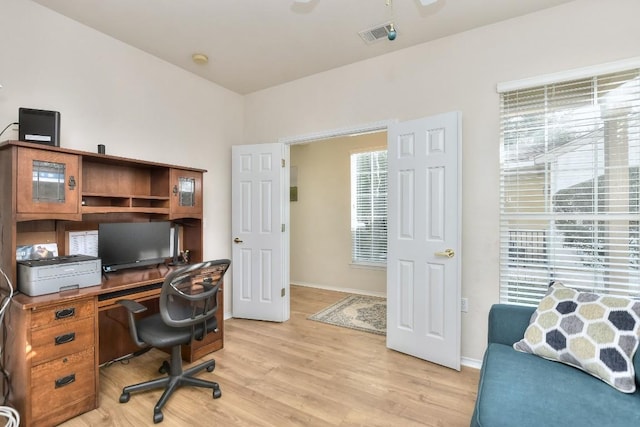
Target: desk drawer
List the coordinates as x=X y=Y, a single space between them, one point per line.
x=62 y=313
x=61 y=340
x=63 y=382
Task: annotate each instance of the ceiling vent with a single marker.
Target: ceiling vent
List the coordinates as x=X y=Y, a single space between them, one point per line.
x=375 y=34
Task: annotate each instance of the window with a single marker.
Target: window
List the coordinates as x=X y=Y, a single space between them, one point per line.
x=569 y=187
x=369 y=207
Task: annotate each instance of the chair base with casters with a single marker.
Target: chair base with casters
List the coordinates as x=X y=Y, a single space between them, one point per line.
x=176 y=378
x=187 y=307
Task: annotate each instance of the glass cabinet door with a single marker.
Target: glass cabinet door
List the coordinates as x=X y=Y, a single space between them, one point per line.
x=186 y=193
x=47 y=182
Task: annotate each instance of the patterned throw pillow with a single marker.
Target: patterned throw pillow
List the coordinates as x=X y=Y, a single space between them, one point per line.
x=596 y=333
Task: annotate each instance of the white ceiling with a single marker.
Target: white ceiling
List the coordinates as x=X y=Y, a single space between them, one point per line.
x=255 y=44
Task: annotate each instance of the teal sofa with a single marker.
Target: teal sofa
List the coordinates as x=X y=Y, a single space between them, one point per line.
x=524 y=390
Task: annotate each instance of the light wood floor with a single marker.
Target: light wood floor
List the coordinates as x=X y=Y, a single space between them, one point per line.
x=297 y=373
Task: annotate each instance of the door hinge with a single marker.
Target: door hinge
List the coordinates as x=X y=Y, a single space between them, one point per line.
x=283 y=162
x=283 y=228
x=283 y=292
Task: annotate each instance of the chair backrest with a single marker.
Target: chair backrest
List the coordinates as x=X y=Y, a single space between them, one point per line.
x=189 y=295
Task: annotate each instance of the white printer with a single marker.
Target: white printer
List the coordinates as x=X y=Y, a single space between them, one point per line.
x=51 y=275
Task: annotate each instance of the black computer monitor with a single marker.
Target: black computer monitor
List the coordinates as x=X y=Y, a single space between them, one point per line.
x=133 y=244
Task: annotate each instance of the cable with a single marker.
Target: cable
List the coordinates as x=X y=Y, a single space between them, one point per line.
x=3 y=309
x=126 y=358
x=6 y=381
x=7 y=127
x=7 y=299
x=12 y=416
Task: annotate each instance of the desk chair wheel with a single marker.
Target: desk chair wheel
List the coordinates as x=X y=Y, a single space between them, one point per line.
x=164 y=368
x=124 y=397
x=157 y=417
x=217 y=393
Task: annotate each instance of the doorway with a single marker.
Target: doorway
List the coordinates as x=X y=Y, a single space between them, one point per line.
x=320 y=216
x=424 y=218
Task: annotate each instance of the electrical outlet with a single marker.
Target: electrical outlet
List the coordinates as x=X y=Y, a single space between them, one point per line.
x=464 y=306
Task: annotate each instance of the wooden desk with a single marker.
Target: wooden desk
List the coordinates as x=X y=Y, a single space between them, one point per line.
x=55 y=343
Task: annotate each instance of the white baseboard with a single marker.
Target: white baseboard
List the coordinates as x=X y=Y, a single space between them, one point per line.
x=471 y=363
x=340 y=289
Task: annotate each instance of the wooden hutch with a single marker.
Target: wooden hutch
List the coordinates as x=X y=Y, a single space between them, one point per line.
x=55 y=343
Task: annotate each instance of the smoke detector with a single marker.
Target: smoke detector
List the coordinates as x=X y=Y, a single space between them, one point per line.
x=380 y=32
x=200 y=58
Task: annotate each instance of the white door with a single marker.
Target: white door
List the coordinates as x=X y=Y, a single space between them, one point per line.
x=423 y=259
x=260 y=265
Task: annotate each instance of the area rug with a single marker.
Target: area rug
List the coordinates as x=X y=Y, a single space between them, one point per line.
x=361 y=312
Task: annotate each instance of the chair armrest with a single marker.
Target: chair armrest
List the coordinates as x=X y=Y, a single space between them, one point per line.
x=508 y=322
x=132 y=306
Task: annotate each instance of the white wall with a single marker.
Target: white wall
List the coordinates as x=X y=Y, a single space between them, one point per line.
x=321 y=218
x=110 y=93
x=455 y=73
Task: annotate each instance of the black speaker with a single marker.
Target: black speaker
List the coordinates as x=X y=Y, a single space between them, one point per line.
x=39 y=126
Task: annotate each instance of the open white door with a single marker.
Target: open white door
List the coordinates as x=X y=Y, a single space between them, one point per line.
x=423 y=259
x=260 y=265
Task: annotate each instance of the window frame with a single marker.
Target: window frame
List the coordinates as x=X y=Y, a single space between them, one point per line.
x=544 y=250
x=378 y=245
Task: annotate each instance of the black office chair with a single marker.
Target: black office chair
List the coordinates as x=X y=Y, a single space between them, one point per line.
x=188 y=304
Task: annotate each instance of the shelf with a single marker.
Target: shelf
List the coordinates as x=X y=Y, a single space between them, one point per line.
x=103 y=203
x=117 y=209
x=134 y=196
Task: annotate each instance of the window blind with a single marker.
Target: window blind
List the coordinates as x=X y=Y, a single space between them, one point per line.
x=369 y=207
x=569 y=187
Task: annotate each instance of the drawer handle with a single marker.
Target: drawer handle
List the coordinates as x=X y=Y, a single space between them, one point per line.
x=63 y=339
x=65 y=313
x=61 y=382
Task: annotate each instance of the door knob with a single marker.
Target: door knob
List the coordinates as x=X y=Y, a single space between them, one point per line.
x=449 y=253
x=236 y=240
